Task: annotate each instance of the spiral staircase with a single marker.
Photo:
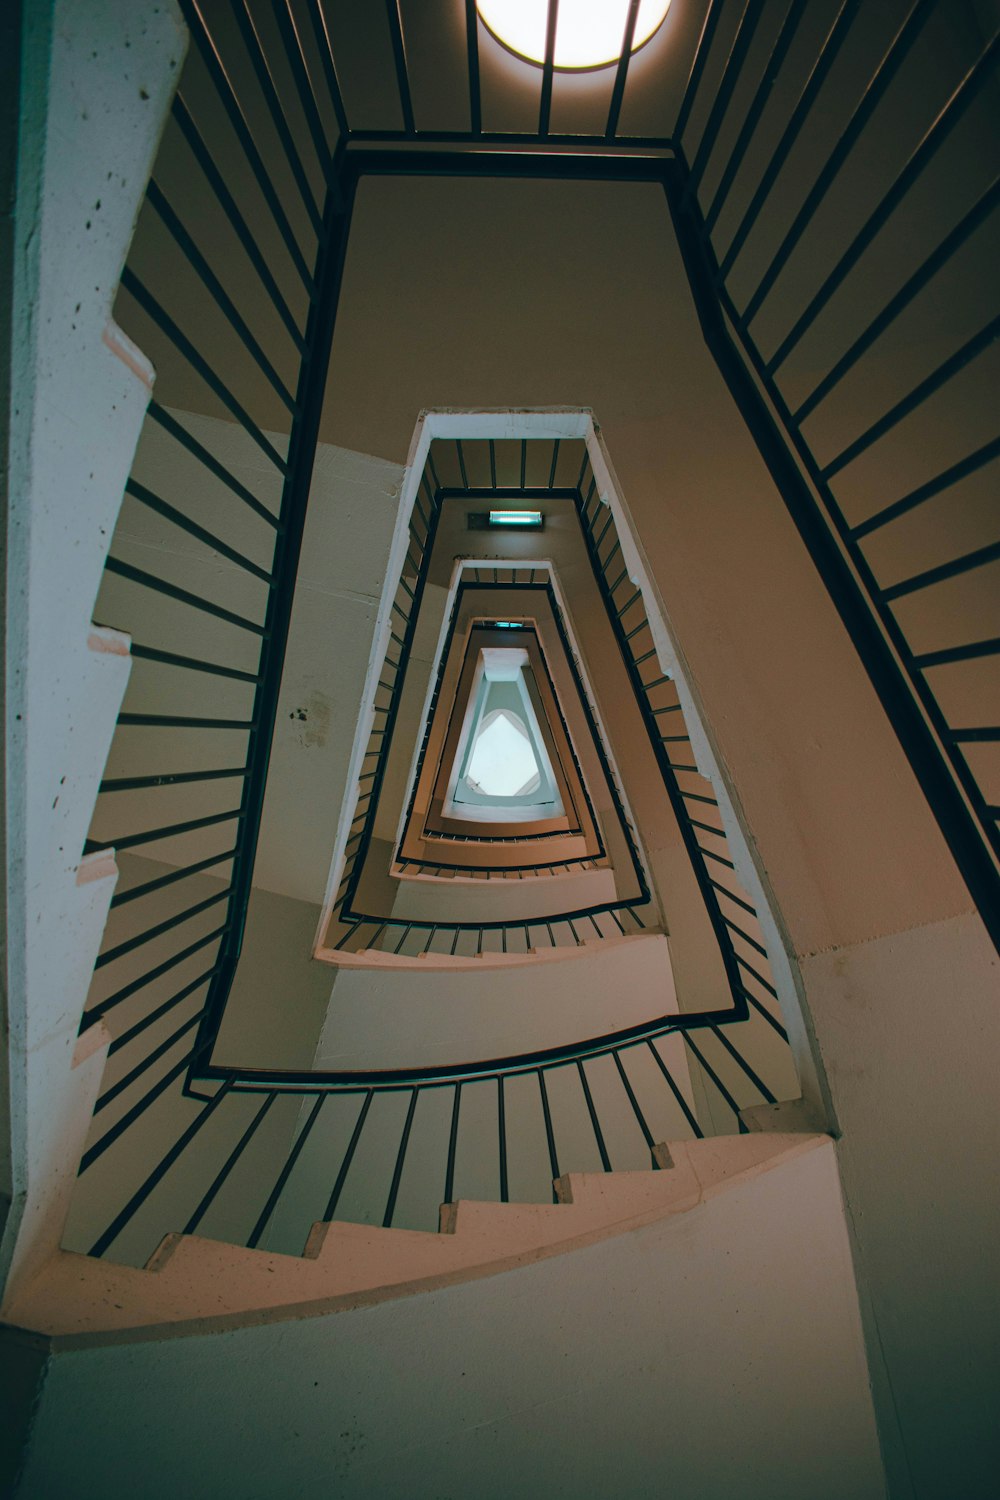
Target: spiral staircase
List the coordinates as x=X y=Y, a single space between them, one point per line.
x=603 y=1106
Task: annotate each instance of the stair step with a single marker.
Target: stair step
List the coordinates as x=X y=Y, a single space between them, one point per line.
x=376 y=958
x=195 y=1285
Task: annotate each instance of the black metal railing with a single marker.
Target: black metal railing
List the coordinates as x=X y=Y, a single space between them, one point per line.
x=715 y=1075
x=200 y=717
x=599 y=1104
x=353 y=930
x=244 y=132
x=494 y=872
x=789 y=208
x=813 y=179
x=500 y=579
x=776 y=132
x=737 y=931
x=693 y=798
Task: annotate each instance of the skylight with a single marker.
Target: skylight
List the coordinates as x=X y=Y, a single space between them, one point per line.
x=502 y=763
x=589 y=33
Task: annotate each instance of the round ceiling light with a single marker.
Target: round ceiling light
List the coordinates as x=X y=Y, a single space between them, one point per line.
x=589 y=33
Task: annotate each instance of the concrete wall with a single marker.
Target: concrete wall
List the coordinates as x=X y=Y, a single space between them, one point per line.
x=96 y=84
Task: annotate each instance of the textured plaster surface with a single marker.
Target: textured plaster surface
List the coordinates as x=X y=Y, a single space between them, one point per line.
x=97 y=83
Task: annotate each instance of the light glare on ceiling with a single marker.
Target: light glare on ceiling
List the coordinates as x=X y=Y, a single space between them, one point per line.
x=589 y=33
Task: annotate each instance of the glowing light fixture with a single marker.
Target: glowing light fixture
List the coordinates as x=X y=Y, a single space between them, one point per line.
x=520 y=518
x=589 y=33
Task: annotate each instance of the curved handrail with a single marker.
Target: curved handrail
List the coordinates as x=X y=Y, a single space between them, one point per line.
x=311 y=237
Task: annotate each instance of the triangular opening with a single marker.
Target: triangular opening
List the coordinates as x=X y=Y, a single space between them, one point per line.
x=501 y=764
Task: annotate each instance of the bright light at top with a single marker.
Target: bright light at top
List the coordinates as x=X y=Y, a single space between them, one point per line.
x=589 y=33
x=503 y=763
x=515 y=518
